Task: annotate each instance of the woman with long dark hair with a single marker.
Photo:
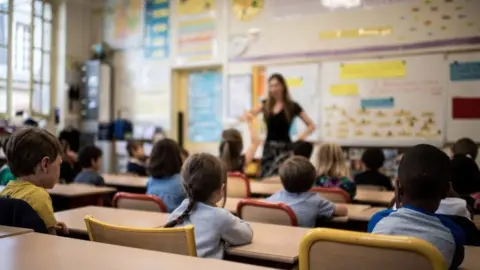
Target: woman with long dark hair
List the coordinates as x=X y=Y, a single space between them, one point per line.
x=279 y=111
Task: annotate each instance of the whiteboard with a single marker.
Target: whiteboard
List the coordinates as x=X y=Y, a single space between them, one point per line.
x=384 y=102
x=303 y=86
x=462 y=88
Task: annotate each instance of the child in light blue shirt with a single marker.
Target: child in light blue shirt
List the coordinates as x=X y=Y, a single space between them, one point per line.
x=423 y=181
x=164 y=169
x=204 y=178
x=298 y=175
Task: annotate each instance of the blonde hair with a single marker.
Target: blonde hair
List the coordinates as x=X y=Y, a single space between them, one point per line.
x=331 y=161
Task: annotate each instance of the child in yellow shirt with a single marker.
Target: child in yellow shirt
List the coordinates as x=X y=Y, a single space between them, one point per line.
x=34 y=158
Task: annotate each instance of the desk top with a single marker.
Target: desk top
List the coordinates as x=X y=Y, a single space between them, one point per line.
x=22 y=252
x=78 y=190
x=472 y=258
x=125 y=180
x=6 y=231
x=74 y=219
x=374 y=196
x=264 y=189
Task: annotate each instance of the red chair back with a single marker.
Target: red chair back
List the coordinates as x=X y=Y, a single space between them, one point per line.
x=139 y=202
x=336 y=195
x=238 y=185
x=266 y=212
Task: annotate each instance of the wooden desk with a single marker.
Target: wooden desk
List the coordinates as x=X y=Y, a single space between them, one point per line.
x=74 y=219
x=36 y=251
x=264 y=189
x=364 y=215
x=272 y=243
x=125 y=181
x=472 y=258
x=374 y=197
x=78 y=190
x=476 y=220
x=6 y=231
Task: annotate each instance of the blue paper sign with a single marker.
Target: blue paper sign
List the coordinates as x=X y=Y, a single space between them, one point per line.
x=464 y=71
x=205 y=106
x=373 y=103
x=156 y=38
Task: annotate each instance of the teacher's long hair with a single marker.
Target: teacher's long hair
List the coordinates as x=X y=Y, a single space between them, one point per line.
x=287 y=100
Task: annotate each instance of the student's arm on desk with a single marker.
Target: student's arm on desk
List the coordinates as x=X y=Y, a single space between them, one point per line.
x=340 y=210
x=234 y=230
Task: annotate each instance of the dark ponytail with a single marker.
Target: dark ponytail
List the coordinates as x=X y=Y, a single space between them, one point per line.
x=180 y=219
x=230 y=150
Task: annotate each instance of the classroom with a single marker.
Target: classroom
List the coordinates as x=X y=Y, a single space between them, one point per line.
x=240 y=134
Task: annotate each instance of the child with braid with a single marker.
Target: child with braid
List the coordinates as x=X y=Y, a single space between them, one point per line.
x=204 y=178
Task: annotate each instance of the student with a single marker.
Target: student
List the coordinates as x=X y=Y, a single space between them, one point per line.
x=231 y=148
x=423 y=181
x=164 y=170
x=298 y=175
x=466 y=180
x=465 y=146
x=5 y=172
x=69 y=168
x=373 y=160
x=204 y=177
x=90 y=159
x=332 y=169
x=299 y=148
x=136 y=154
x=34 y=156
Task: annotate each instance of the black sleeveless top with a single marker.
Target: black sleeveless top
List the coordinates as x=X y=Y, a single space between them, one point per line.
x=278 y=127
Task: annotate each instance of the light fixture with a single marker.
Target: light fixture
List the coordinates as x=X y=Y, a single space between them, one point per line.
x=334 y=4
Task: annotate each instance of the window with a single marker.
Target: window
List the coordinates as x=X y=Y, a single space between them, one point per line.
x=22 y=47
x=29 y=87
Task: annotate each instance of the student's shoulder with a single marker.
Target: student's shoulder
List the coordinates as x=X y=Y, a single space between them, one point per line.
x=377 y=217
x=455 y=230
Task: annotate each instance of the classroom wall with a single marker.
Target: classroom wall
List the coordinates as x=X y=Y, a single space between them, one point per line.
x=282 y=32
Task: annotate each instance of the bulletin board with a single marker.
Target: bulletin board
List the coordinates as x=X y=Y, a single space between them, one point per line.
x=302 y=81
x=463 y=118
x=384 y=102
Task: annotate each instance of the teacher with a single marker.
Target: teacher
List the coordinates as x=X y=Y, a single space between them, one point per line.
x=279 y=111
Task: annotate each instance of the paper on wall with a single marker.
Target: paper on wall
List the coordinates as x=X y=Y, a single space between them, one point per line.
x=373 y=70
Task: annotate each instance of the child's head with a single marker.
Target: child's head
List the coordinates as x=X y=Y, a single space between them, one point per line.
x=302 y=148
x=34 y=154
x=90 y=157
x=297 y=174
x=332 y=161
x=424 y=176
x=203 y=177
x=135 y=150
x=373 y=158
x=464 y=170
x=165 y=159
x=465 y=146
x=231 y=148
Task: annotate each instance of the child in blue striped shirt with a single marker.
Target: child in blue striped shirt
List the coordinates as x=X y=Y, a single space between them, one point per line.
x=298 y=175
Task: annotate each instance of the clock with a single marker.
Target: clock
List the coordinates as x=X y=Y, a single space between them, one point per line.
x=238 y=44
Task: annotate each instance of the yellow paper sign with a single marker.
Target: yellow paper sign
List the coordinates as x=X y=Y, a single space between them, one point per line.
x=344 y=90
x=379 y=31
x=295 y=82
x=373 y=70
x=191 y=7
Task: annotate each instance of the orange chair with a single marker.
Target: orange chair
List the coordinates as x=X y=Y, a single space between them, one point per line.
x=266 y=212
x=336 y=195
x=139 y=202
x=238 y=185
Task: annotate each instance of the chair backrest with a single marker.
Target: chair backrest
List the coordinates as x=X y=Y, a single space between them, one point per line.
x=266 y=212
x=371 y=187
x=139 y=202
x=178 y=240
x=238 y=185
x=339 y=250
x=337 y=195
x=18 y=213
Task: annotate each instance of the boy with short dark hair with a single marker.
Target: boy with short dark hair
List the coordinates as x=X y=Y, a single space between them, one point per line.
x=136 y=154
x=465 y=146
x=90 y=159
x=298 y=175
x=373 y=159
x=34 y=157
x=423 y=181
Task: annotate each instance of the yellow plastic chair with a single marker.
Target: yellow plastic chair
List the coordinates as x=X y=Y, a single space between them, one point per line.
x=329 y=249
x=178 y=240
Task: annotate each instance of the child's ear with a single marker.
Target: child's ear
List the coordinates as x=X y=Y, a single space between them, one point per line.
x=44 y=164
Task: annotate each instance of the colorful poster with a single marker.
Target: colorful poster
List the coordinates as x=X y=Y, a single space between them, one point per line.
x=377 y=103
x=373 y=70
x=196 y=31
x=464 y=71
x=127 y=18
x=156 y=39
x=205 y=106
